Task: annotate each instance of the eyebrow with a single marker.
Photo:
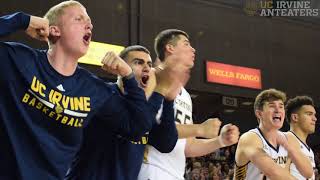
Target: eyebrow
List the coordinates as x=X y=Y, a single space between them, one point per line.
x=272 y=103
x=87 y=18
x=310 y=112
x=139 y=59
x=187 y=40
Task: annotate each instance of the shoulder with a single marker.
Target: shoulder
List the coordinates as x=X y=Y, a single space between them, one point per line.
x=20 y=53
x=289 y=135
x=88 y=76
x=91 y=81
x=248 y=146
x=20 y=50
x=249 y=139
x=16 y=46
x=186 y=94
x=292 y=139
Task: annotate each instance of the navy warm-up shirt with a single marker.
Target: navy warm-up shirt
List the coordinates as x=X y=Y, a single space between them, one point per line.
x=43 y=113
x=116 y=157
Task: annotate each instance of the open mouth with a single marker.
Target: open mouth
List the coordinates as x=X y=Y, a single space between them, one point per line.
x=144 y=80
x=276 y=119
x=87 y=38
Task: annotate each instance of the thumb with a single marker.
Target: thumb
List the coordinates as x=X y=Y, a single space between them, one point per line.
x=227 y=126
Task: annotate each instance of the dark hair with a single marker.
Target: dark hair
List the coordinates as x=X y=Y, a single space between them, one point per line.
x=124 y=53
x=294 y=104
x=267 y=96
x=165 y=37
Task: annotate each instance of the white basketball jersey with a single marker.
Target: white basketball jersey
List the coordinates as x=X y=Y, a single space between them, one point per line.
x=250 y=171
x=309 y=153
x=157 y=165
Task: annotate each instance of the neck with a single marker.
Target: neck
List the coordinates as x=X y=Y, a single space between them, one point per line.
x=64 y=63
x=269 y=134
x=298 y=132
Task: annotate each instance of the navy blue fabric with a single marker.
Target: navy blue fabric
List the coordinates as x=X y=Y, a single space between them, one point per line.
x=116 y=157
x=43 y=113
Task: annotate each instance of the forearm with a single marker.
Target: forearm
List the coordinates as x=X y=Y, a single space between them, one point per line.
x=301 y=161
x=164 y=136
x=269 y=168
x=200 y=147
x=129 y=115
x=136 y=99
x=142 y=116
x=250 y=149
x=280 y=175
x=132 y=91
x=188 y=130
x=13 y=22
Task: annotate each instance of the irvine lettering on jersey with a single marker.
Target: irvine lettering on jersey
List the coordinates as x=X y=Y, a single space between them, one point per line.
x=56 y=98
x=56 y=105
x=55 y=114
x=281 y=160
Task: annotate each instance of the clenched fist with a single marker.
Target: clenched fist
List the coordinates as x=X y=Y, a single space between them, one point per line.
x=210 y=128
x=38 y=28
x=113 y=64
x=229 y=135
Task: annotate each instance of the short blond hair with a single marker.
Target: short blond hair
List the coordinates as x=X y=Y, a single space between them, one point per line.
x=56 y=11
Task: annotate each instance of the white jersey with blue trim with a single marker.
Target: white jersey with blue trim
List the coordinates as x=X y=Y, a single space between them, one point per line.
x=250 y=172
x=169 y=166
x=309 y=153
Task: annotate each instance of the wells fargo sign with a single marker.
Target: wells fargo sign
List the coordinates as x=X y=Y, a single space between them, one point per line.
x=233 y=75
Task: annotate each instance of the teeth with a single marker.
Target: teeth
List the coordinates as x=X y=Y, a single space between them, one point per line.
x=276 y=118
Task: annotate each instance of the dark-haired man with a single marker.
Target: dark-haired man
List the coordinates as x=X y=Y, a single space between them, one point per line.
x=301 y=116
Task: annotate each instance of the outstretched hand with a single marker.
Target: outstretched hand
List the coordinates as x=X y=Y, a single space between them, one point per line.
x=38 y=28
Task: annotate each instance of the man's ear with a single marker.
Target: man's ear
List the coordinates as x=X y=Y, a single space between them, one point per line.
x=294 y=117
x=258 y=114
x=169 y=48
x=54 y=33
